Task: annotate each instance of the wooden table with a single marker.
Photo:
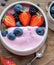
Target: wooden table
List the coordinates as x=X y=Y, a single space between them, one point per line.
x=48 y=58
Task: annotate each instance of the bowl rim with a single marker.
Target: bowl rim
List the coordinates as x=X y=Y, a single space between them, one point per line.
x=46 y=21
x=49 y=10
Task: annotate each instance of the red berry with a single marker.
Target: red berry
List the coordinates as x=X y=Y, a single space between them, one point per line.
x=9 y=20
x=6 y=61
x=36 y=20
x=25 y=18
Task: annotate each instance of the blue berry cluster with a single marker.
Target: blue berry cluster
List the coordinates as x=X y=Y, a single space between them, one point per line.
x=11 y=36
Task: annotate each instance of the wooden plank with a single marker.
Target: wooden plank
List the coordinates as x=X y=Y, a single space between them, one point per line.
x=48 y=58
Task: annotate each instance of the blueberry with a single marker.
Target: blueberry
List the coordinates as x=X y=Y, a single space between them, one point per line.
x=3 y=3
x=16 y=16
x=33 y=10
x=11 y=36
x=52 y=9
x=18 y=31
x=18 y=8
x=38 y=4
x=52 y=15
x=18 y=24
x=40 y=31
x=4 y=33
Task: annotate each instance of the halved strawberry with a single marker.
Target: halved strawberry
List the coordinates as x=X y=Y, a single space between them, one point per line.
x=37 y=20
x=6 y=61
x=25 y=18
x=9 y=20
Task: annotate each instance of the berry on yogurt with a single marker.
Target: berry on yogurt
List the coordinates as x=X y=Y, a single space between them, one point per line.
x=18 y=32
x=11 y=36
x=40 y=31
x=4 y=33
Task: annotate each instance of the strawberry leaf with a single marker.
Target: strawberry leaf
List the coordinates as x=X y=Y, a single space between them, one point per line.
x=23 y=10
x=4 y=28
x=3 y=18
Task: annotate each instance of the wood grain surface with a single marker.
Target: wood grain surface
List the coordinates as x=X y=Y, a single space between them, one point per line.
x=48 y=58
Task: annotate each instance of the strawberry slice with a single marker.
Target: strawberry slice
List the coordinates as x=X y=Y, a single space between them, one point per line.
x=25 y=18
x=9 y=20
x=37 y=20
x=6 y=61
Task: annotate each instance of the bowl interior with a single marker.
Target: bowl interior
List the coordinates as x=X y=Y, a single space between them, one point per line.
x=26 y=5
x=52 y=3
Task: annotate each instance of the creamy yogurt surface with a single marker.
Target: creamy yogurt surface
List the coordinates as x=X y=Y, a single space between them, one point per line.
x=28 y=40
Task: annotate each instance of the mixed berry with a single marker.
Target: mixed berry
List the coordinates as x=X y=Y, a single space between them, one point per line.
x=33 y=10
x=40 y=31
x=7 y=61
x=11 y=36
x=52 y=10
x=16 y=16
x=21 y=18
x=18 y=8
x=18 y=32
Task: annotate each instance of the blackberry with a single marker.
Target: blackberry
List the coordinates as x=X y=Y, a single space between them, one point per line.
x=33 y=10
x=16 y=17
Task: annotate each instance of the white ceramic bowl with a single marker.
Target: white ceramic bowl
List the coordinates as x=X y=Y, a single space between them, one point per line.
x=50 y=18
x=30 y=51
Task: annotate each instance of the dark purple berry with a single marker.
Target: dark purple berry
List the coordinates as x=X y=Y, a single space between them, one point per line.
x=33 y=10
x=16 y=16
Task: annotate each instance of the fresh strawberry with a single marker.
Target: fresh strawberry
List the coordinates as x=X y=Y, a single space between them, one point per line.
x=37 y=20
x=25 y=18
x=6 y=61
x=9 y=20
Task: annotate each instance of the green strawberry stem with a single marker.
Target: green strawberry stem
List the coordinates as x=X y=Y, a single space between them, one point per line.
x=4 y=28
x=3 y=18
x=23 y=10
x=39 y=15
